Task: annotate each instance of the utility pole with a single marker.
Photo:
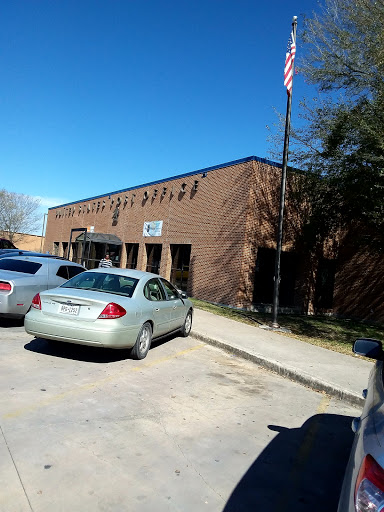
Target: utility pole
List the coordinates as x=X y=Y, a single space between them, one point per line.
x=42 y=232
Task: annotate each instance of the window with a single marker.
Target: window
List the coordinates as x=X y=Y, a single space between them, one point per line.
x=74 y=271
x=170 y=290
x=102 y=282
x=132 y=254
x=325 y=283
x=19 y=265
x=68 y=271
x=75 y=252
x=265 y=273
x=153 y=290
x=181 y=255
x=153 y=258
x=62 y=272
x=65 y=249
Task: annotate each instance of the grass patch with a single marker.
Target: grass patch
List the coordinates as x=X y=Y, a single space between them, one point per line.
x=328 y=332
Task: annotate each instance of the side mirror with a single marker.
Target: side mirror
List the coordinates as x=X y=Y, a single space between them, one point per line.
x=182 y=294
x=369 y=348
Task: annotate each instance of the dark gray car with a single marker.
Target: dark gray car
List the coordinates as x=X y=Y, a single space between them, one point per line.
x=363 y=486
x=22 y=277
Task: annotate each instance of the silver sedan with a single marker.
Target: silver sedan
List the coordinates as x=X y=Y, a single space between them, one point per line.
x=22 y=277
x=363 y=486
x=116 y=308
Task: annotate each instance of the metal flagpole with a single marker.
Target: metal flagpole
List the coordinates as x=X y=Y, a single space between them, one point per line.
x=279 y=240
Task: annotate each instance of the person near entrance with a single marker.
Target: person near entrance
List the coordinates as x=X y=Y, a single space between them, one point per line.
x=105 y=262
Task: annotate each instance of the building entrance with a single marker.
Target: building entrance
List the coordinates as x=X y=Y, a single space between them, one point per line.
x=97 y=245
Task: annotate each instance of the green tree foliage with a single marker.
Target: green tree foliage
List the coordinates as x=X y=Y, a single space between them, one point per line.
x=18 y=215
x=341 y=139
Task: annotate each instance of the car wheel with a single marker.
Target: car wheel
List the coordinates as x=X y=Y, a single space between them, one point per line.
x=143 y=342
x=186 y=329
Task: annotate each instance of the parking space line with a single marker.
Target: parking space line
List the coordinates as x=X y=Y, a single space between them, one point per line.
x=92 y=385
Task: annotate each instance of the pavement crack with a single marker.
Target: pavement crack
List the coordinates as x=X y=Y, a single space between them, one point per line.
x=16 y=469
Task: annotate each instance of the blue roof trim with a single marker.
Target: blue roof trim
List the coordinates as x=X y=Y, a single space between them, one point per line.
x=200 y=171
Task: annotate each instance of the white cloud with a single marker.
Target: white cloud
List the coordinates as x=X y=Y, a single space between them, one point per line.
x=49 y=202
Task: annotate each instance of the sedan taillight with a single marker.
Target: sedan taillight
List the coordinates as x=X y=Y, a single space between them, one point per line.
x=112 y=310
x=369 y=490
x=5 y=287
x=36 y=301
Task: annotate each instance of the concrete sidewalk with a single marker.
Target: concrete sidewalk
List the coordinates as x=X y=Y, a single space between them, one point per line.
x=337 y=374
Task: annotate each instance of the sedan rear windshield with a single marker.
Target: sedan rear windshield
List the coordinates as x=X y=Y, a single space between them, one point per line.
x=18 y=265
x=101 y=282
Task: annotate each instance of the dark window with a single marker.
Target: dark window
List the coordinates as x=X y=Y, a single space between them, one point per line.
x=153 y=290
x=181 y=255
x=68 y=271
x=63 y=272
x=325 y=282
x=65 y=249
x=18 y=265
x=170 y=290
x=74 y=271
x=75 y=252
x=265 y=273
x=132 y=254
x=153 y=258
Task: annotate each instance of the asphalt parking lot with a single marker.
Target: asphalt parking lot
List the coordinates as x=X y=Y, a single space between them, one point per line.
x=188 y=428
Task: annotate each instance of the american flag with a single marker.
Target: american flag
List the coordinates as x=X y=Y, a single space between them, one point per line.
x=289 y=59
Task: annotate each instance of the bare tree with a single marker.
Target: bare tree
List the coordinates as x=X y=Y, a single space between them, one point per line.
x=345 y=47
x=18 y=215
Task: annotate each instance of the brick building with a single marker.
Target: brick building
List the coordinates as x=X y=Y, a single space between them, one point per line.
x=211 y=232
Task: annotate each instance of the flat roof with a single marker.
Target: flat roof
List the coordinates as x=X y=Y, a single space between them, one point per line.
x=200 y=171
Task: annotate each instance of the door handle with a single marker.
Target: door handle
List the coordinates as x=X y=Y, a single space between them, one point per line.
x=157 y=309
x=174 y=307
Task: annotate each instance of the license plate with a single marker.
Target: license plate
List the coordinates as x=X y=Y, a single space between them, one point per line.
x=69 y=310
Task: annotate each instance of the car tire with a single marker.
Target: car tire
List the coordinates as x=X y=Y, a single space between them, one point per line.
x=187 y=326
x=143 y=342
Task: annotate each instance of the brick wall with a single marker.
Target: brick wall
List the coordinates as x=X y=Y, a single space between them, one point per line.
x=359 y=282
x=232 y=212
x=224 y=220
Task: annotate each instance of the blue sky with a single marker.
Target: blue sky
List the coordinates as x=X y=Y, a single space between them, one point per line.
x=101 y=95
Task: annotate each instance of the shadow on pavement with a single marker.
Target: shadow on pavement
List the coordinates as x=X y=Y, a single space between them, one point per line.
x=6 y=323
x=83 y=352
x=302 y=469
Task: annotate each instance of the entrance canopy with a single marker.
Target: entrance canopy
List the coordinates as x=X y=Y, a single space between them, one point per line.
x=103 y=238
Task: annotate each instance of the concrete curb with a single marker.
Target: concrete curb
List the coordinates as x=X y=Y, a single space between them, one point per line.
x=286 y=371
